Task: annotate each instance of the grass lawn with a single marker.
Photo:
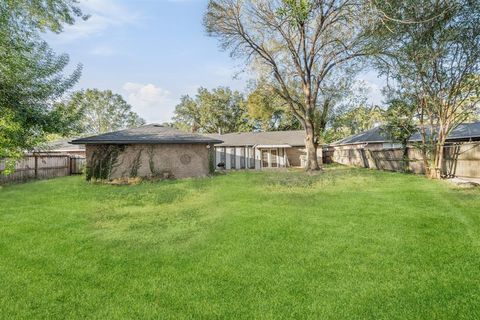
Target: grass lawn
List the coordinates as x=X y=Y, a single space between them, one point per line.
x=349 y=243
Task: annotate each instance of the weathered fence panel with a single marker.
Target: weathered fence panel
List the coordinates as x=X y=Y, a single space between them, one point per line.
x=77 y=164
x=42 y=167
x=461 y=159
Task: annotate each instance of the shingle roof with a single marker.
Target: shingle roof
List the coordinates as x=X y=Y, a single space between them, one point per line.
x=150 y=134
x=464 y=131
x=60 y=146
x=292 y=138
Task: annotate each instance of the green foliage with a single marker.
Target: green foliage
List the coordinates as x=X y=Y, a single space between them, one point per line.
x=268 y=112
x=41 y=15
x=354 y=121
x=400 y=122
x=211 y=160
x=188 y=114
x=102 y=162
x=400 y=125
x=220 y=110
x=345 y=244
x=297 y=11
x=136 y=165
x=100 y=111
x=431 y=49
x=31 y=74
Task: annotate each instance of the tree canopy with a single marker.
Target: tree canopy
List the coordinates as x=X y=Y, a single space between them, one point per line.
x=100 y=111
x=31 y=74
x=431 y=52
x=220 y=110
x=267 y=111
x=296 y=46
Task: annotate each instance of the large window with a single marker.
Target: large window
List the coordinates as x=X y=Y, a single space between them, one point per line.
x=273 y=158
x=391 y=145
x=232 y=158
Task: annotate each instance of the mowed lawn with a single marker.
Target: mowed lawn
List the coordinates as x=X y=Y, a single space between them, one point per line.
x=345 y=244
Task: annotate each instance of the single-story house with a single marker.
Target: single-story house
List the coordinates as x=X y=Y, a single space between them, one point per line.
x=373 y=149
x=63 y=147
x=257 y=150
x=148 y=151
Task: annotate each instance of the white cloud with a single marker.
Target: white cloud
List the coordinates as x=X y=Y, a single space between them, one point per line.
x=375 y=95
x=104 y=14
x=374 y=85
x=103 y=50
x=153 y=103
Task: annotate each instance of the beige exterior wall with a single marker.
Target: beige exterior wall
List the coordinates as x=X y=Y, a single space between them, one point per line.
x=296 y=154
x=293 y=156
x=154 y=160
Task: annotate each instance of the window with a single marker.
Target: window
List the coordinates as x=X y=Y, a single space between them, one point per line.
x=232 y=158
x=390 y=145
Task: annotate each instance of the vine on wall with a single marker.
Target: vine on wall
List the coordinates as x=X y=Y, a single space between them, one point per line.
x=211 y=159
x=158 y=174
x=136 y=164
x=104 y=159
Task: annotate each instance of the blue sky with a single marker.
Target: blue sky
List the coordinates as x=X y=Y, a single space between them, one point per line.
x=152 y=52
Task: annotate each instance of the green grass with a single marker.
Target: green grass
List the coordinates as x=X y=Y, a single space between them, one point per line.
x=349 y=243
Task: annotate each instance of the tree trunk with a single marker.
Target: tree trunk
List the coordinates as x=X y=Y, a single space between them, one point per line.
x=311 y=146
x=436 y=172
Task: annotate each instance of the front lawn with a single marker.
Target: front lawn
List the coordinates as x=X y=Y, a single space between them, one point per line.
x=349 y=243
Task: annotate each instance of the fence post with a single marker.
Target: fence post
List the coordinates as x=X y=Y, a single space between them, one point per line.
x=36 y=165
x=69 y=165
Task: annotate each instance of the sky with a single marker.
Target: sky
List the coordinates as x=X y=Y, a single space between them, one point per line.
x=152 y=52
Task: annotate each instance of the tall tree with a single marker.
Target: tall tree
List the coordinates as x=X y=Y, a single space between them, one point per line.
x=31 y=75
x=268 y=111
x=431 y=49
x=354 y=120
x=218 y=111
x=400 y=125
x=188 y=114
x=296 y=43
x=101 y=111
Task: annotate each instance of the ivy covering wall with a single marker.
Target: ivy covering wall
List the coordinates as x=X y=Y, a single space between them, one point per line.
x=102 y=162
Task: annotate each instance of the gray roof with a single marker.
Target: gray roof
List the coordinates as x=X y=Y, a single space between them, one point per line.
x=150 y=134
x=59 y=146
x=292 y=138
x=464 y=131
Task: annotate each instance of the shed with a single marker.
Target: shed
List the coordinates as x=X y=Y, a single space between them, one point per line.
x=148 y=151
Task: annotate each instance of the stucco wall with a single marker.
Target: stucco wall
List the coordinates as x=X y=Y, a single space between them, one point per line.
x=150 y=160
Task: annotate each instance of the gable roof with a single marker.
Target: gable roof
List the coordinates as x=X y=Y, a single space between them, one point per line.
x=149 y=134
x=60 y=146
x=464 y=131
x=291 y=138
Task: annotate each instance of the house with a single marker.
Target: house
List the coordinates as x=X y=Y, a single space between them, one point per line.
x=61 y=147
x=257 y=150
x=148 y=151
x=373 y=149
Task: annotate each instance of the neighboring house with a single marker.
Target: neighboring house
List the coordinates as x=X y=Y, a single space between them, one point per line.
x=257 y=150
x=61 y=147
x=372 y=149
x=148 y=151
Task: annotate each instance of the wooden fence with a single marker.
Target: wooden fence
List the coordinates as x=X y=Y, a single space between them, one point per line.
x=42 y=167
x=461 y=159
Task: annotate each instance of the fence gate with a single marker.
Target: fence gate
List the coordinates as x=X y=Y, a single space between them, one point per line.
x=37 y=166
